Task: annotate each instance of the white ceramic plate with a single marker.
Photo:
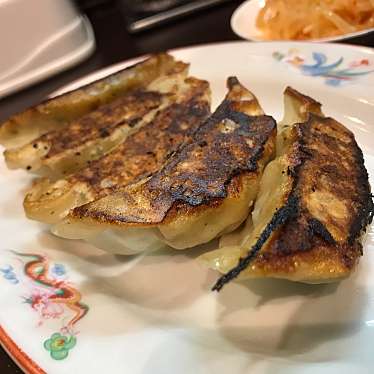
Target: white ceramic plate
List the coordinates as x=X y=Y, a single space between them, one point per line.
x=243 y=23
x=77 y=309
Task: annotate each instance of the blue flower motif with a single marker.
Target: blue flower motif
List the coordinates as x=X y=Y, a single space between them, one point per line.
x=320 y=68
x=319 y=58
x=9 y=274
x=334 y=82
x=334 y=73
x=58 y=270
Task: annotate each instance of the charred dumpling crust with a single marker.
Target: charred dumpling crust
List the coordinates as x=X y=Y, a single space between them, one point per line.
x=57 y=112
x=205 y=189
x=315 y=235
x=139 y=155
x=145 y=151
x=204 y=170
x=66 y=150
x=135 y=163
x=228 y=145
x=101 y=123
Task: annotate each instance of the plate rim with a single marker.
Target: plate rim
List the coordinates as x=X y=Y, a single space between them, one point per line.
x=21 y=359
x=112 y=68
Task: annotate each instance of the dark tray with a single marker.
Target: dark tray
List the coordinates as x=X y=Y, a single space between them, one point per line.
x=144 y=14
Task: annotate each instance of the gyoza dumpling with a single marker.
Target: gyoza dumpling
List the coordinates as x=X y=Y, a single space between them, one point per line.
x=59 y=111
x=314 y=202
x=70 y=147
x=185 y=105
x=206 y=189
x=296 y=110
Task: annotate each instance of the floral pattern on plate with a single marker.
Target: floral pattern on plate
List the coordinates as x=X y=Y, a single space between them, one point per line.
x=51 y=296
x=335 y=73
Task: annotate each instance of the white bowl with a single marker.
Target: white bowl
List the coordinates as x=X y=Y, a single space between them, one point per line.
x=243 y=23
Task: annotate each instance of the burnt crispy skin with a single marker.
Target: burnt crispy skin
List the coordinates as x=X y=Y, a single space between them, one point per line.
x=145 y=151
x=58 y=111
x=124 y=111
x=201 y=174
x=141 y=154
x=67 y=149
x=318 y=229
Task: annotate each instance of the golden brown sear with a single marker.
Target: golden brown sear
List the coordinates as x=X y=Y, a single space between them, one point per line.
x=57 y=112
x=314 y=236
x=68 y=149
x=126 y=110
x=145 y=151
x=140 y=155
x=201 y=174
x=209 y=184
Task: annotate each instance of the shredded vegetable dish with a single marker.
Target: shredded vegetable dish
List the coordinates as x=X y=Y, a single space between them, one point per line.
x=314 y=19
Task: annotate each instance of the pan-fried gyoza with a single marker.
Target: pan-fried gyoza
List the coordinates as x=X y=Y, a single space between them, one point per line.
x=139 y=155
x=205 y=189
x=70 y=147
x=313 y=205
x=55 y=113
x=135 y=162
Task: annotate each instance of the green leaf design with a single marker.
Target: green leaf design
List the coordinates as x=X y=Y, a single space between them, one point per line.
x=59 y=355
x=59 y=345
x=47 y=344
x=71 y=342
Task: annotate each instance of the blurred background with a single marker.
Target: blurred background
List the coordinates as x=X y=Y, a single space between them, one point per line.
x=58 y=41
x=144 y=14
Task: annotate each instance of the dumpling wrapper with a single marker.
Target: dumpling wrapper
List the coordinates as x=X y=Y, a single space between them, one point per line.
x=206 y=189
x=313 y=205
x=71 y=147
x=55 y=113
x=185 y=105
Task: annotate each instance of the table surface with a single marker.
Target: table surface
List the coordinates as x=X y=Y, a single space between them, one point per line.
x=115 y=44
